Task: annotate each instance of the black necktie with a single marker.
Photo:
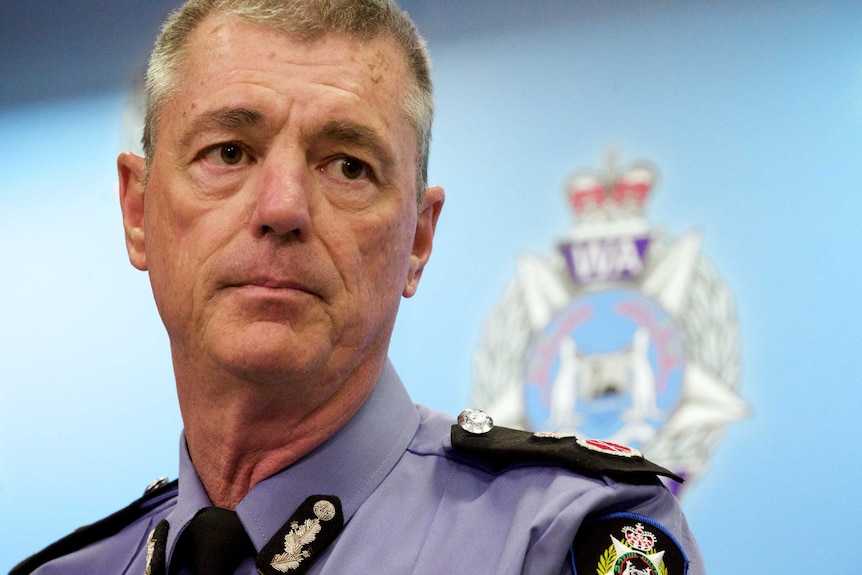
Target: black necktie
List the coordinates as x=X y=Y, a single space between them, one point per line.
x=213 y=543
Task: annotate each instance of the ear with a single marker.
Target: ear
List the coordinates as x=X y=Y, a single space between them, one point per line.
x=426 y=224
x=131 y=170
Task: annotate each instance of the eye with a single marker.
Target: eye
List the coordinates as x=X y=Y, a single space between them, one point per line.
x=225 y=154
x=231 y=153
x=353 y=169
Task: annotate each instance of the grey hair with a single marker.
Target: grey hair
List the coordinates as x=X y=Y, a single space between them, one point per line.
x=306 y=20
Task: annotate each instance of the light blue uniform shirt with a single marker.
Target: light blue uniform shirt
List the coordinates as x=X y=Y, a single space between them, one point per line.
x=411 y=505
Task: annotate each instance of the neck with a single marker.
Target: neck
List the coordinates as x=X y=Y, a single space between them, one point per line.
x=238 y=433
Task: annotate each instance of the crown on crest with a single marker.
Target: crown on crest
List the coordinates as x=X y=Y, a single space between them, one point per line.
x=639 y=539
x=612 y=194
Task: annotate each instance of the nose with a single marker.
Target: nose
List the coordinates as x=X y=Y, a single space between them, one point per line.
x=281 y=207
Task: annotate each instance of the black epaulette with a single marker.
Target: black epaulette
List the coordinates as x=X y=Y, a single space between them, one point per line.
x=99 y=530
x=497 y=448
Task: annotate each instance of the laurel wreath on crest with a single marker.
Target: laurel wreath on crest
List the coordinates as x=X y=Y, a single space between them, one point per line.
x=609 y=557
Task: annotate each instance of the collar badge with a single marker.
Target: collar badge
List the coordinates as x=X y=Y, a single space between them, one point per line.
x=308 y=532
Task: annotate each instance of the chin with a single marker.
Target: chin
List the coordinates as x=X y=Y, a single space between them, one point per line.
x=275 y=356
x=271 y=369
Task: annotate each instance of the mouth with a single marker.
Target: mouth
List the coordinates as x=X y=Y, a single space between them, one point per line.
x=268 y=286
x=277 y=284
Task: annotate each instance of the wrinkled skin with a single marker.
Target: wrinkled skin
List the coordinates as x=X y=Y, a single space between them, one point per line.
x=279 y=223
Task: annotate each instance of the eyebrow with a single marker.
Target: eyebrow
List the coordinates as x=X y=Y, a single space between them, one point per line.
x=355 y=135
x=229 y=119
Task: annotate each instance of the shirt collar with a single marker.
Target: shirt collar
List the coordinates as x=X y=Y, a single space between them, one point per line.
x=350 y=465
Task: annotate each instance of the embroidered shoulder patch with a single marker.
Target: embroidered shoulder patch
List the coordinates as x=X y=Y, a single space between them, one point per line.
x=627 y=544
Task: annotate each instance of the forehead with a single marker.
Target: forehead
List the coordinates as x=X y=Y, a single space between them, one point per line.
x=220 y=29
x=227 y=48
x=235 y=63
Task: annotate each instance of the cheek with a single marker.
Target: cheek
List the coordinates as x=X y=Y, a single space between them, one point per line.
x=168 y=230
x=178 y=233
x=188 y=227
x=365 y=250
x=386 y=254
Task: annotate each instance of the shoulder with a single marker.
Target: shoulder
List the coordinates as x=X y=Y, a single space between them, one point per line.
x=475 y=441
x=156 y=495
x=581 y=495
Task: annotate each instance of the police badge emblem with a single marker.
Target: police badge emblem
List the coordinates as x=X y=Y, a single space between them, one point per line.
x=622 y=333
x=627 y=544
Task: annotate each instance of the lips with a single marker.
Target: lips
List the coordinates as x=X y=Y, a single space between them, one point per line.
x=271 y=287
x=275 y=283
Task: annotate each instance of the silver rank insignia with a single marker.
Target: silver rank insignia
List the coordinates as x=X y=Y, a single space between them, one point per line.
x=308 y=532
x=156 y=549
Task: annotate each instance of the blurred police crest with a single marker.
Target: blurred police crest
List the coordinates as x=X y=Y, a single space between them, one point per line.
x=620 y=333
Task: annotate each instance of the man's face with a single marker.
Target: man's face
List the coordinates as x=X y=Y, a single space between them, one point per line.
x=279 y=223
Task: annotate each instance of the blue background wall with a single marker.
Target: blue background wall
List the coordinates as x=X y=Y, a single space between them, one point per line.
x=751 y=111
